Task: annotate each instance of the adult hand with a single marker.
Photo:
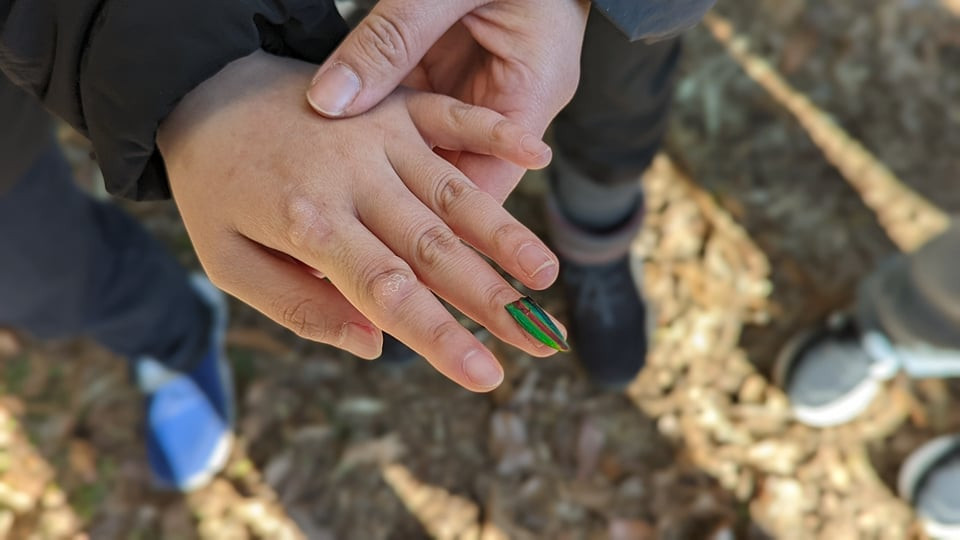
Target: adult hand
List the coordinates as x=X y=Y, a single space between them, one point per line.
x=271 y=196
x=520 y=58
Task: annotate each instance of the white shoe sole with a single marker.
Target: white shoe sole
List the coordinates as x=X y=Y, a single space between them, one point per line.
x=855 y=402
x=912 y=472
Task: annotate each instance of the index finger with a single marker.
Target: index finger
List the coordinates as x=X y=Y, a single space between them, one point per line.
x=384 y=289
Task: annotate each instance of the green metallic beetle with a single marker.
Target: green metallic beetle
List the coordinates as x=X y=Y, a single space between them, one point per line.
x=532 y=318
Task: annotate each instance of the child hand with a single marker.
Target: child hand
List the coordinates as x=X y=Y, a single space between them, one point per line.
x=271 y=195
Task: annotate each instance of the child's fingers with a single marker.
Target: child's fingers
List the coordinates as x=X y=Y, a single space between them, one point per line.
x=285 y=291
x=476 y=217
x=450 y=124
x=381 y=286
x=448 y=267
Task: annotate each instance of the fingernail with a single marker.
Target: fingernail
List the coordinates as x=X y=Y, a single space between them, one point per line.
x=536 y=322
x=534 y=260
x=534 y=146
x=482 y=369
x=361 y=340
x=332 y=91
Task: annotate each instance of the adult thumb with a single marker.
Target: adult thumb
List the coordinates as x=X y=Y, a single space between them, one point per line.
x=377 y=55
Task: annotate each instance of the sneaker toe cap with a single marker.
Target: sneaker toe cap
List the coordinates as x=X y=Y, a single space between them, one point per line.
x=187 y=440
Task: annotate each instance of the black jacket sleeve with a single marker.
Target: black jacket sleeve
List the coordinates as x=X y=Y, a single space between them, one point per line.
x=115 y=68
x=653 y=20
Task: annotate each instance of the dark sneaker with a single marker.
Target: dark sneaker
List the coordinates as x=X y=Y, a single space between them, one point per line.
x=608 y=320
x=928 y=480
x=189 y=415
x=832 y=374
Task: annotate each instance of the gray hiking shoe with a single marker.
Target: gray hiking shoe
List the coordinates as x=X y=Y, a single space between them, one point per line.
x=929 y=480
x=832 y=374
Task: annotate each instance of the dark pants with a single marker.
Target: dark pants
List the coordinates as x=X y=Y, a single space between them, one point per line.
x=71 y=266
x=914 y=299
x=609 y=133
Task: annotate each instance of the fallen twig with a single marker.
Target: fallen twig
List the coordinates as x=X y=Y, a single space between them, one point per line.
x=908 y=218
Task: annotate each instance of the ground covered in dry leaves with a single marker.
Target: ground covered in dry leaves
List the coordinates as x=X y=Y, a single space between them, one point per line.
x=751 y=235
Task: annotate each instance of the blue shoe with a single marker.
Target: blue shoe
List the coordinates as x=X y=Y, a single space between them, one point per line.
x=189 y=415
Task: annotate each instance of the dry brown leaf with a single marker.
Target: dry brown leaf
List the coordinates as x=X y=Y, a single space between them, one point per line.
x=590 y=443
x=9 y=344
x=630 y=529
x=83 y=460
x=445 y=516
x=380 y=451
x=508 y=442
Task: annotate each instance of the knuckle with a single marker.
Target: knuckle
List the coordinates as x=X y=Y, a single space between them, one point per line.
x=384 y=40
x=434 y=244
x=444 y=332
x=508 y=234
x=500 y=131
x=451 y=190
x=302 y=317
x=458 y=115
x=389 y=283
x=496 y=295
x=305 y=223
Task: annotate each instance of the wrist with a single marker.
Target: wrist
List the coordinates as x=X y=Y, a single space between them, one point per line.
x=256 y=74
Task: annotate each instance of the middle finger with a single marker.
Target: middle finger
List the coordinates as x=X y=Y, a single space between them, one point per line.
x=444 y=263
x=476 y=216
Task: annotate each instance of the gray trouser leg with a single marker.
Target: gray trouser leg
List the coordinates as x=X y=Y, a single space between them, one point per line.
x=24 y=132
x=915 y=299
x=71 y=266
x=608 y=134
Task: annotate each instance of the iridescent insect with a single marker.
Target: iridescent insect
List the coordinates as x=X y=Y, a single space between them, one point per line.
x=537 y=323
